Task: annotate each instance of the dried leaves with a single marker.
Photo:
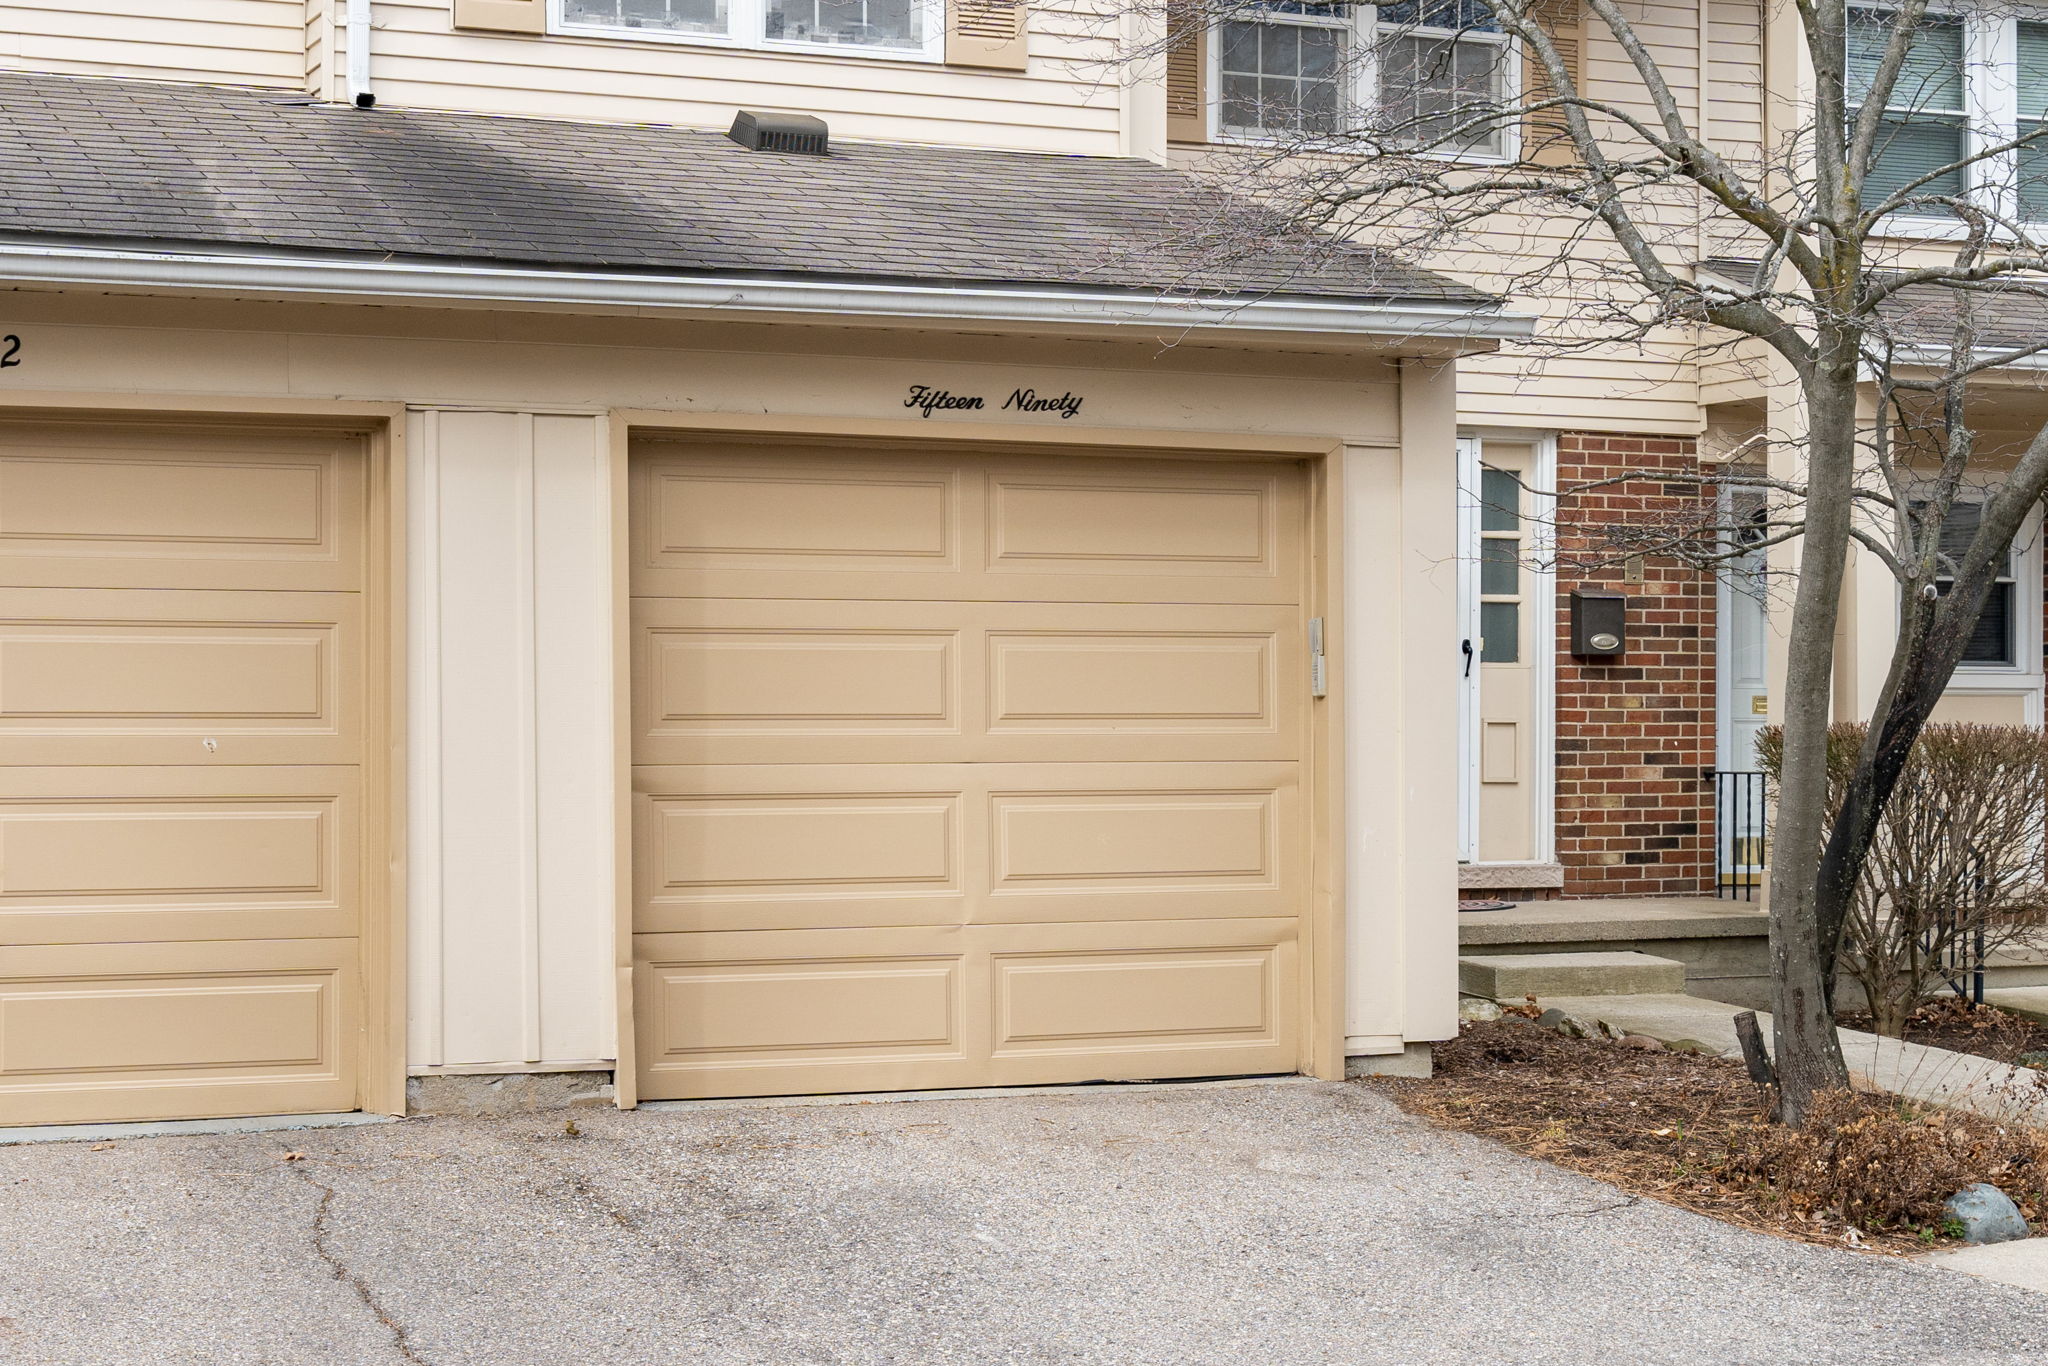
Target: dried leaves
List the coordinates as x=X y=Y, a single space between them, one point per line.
x=1689 y=1130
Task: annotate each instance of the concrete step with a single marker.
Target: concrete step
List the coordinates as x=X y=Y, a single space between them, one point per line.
x=1610 y=922
x=1511 y=976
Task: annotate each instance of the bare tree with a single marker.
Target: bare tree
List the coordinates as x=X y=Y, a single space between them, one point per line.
x=1632 y=225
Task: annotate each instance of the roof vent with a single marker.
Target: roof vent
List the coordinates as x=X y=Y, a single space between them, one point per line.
x=798 y=133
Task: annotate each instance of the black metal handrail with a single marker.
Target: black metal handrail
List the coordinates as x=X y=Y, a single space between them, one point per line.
x=1740 y=833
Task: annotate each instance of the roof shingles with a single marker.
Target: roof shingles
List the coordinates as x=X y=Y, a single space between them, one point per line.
x=146 y=160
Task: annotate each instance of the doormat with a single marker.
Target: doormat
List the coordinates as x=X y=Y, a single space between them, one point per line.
x=1486 y=905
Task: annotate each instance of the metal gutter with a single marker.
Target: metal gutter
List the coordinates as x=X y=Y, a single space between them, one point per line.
x=1046 y=306
x=1935 y=356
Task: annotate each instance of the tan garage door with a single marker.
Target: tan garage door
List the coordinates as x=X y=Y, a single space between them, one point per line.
x=963 y=771
x=181 y=758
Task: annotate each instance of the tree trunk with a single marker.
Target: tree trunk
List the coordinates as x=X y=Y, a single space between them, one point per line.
x=1809 y=1057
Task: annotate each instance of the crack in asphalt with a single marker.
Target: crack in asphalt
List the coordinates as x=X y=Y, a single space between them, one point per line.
x=1630 y=1203
x=401 y=1336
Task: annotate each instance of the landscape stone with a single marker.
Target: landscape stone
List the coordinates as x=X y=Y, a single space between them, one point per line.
x=1477 y=1008
x=1642 y=1041
x=1692 y=1046
x=1987 y=1214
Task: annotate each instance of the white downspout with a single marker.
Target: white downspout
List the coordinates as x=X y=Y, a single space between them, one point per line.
x=359 y=93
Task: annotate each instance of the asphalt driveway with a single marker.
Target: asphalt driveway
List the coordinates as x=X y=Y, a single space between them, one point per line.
x=1286 y=1223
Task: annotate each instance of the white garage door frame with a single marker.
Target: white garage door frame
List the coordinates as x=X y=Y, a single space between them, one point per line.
x=382 y=944
x=1321 y=978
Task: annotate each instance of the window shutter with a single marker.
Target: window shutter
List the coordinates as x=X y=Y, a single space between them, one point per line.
x=1187 y=72
x=1546 y=138
x=502 y=16
x=987 y=33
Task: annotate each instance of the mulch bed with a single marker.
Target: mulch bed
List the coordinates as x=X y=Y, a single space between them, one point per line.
x=1676 y=1127
x=1961 y=1027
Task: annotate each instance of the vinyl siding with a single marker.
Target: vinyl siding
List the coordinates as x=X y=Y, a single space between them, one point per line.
x=1059 y=105
x=1068 y=101
x=247 y=42
x=1652 y=387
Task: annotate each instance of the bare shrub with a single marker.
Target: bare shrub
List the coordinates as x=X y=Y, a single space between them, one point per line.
x=1955 y=867
x=1875 y=1162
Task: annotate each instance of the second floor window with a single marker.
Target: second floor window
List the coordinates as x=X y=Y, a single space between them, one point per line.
x=1969 y=81
x=1426 y=71
x=900 y=28
x=2031 y=84
x=1926 y=117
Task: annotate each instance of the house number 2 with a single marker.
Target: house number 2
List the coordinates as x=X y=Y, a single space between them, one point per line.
x=10 y=351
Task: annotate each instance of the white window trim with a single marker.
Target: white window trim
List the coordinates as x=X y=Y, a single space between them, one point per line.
x=2022 y=677
x=1365 y=30
x=1991 y=112
x=2026 y=632
x=747 y=22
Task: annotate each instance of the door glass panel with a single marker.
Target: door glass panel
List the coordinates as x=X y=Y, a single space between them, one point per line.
x=1500 y=568
x=1500 y=498
x=1500 y=631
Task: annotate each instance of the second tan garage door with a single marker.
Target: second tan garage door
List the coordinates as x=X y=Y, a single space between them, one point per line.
x=182 y=751
x=963 y=771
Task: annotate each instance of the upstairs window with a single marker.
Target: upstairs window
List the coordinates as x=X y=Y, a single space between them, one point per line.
x=891 y=28
x=1286 y=72
x=1419 y=69
x=1443 y=63
x=1971 y=81
x=860 y=23
x=1926 y=120
x=2031 y=47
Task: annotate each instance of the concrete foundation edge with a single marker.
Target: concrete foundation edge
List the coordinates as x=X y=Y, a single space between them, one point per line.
x=486 y=1094
x=1414 y=1060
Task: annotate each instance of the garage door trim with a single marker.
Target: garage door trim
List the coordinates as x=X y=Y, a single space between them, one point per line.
x=1321 y=1038
x=382 y=937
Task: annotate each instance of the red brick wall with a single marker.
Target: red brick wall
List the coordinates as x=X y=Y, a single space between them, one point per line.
x=1635 y=737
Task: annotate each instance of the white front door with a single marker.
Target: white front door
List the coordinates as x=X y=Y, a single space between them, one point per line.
x=1503 y=652
x=1745 y=696
x=1744 y=710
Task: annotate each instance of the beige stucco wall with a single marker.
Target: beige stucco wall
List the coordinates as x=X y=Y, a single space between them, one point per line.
x=512 y=899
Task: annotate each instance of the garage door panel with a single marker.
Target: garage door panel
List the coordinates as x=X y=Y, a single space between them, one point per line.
x=855 y=1010
x=1137 y=517
x=767 y=522
x=1123 y=1000
x=849 y=682
x=116 y=855
x=737 y=860
x=128 y=1031
x=789 y=846
x=777 y=513
x=724 y=1014
x=1179 y=849
x=122 y=677
x=89 y=508
x=1109 y=682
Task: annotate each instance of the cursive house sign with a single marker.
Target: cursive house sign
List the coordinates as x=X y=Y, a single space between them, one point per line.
x=928 y=400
